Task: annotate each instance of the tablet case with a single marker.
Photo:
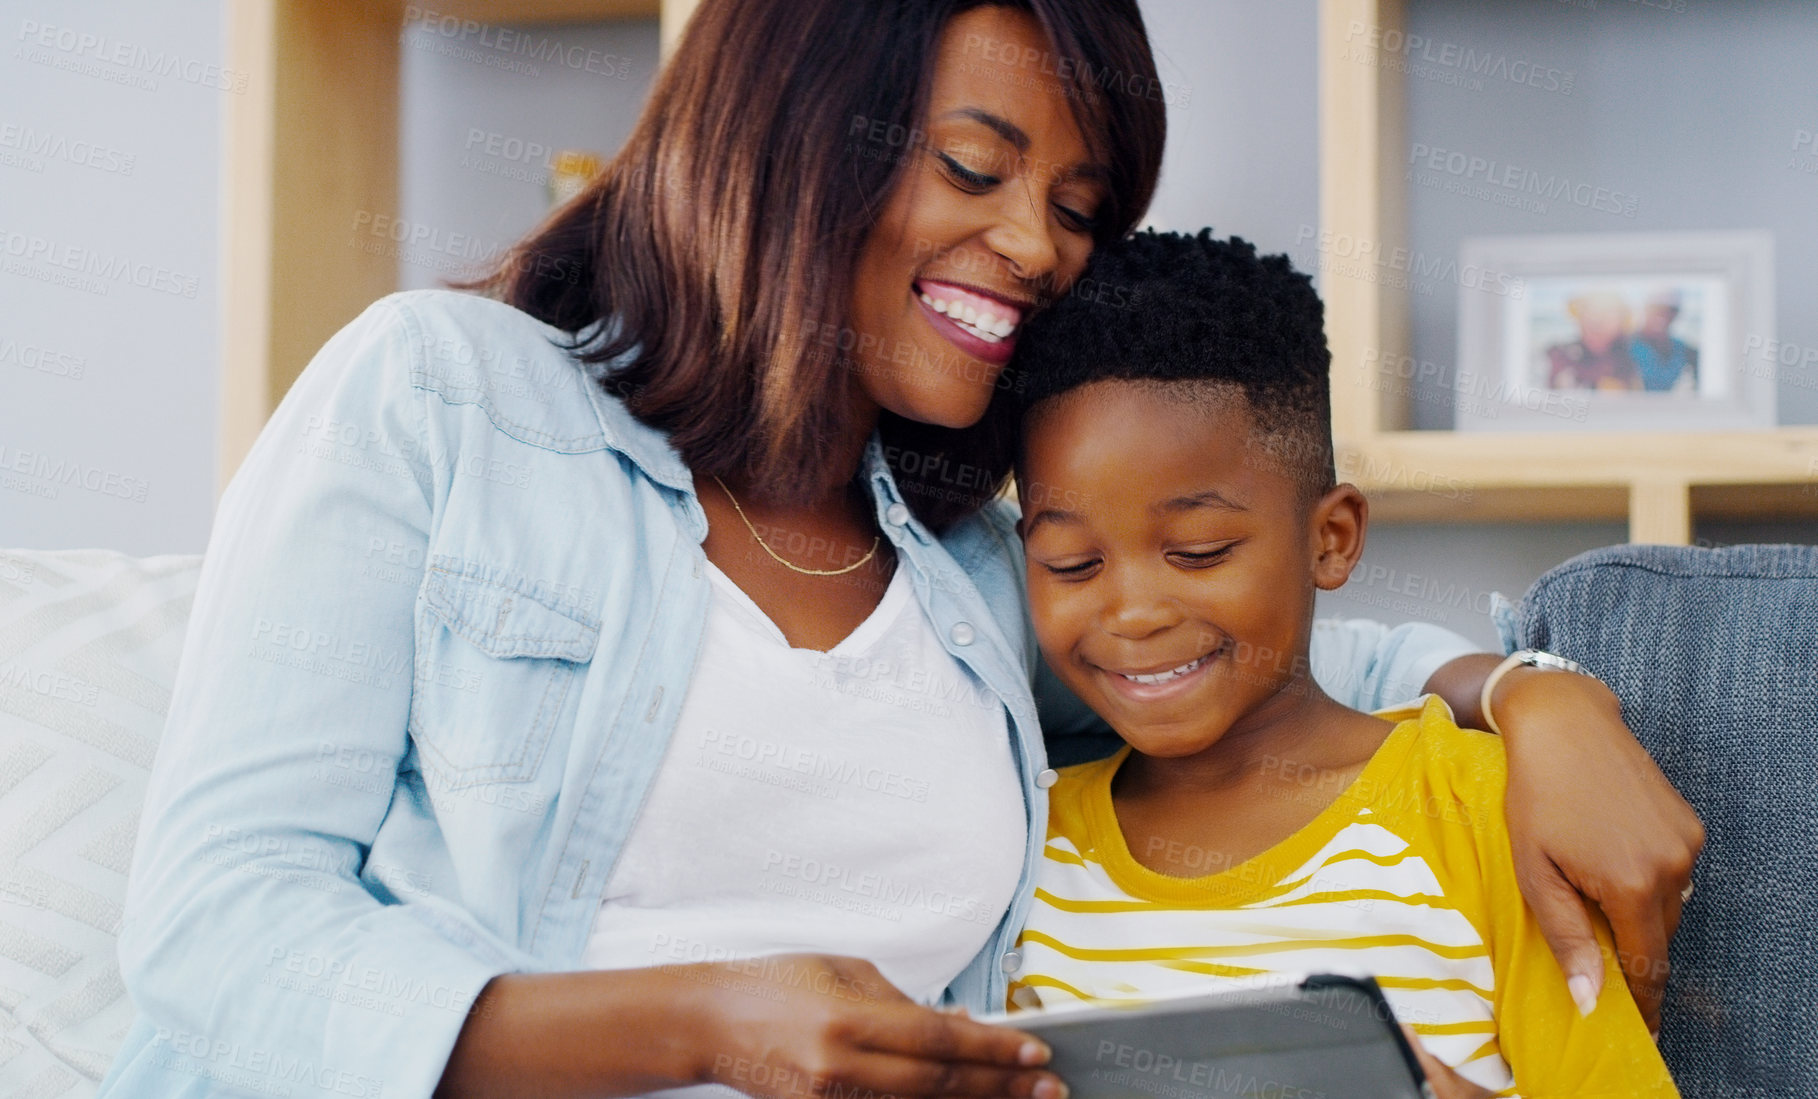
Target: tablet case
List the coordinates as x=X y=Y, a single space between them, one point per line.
x=1317 y=1037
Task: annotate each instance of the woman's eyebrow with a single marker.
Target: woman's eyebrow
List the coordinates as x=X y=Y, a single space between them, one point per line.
x=1003 y=127
x=1016 y=136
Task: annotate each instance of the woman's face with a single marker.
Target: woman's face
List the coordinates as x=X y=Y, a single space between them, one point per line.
x=992 y=217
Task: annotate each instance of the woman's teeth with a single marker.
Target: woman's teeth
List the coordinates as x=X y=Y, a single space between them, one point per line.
x=1163 y=677
x=991 y=329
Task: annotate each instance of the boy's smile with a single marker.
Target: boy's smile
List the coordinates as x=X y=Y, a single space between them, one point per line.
x=1172 y=560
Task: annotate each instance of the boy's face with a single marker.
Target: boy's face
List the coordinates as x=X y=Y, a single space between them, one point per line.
x=1172 y=563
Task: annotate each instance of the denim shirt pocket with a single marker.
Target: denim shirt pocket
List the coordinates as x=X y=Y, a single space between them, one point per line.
x=495 y=671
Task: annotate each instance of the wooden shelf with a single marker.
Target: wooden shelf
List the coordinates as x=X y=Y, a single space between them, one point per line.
x=1658 y=482
x=310 y=146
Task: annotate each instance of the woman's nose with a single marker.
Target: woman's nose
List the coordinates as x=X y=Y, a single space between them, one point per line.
x=1024 y=234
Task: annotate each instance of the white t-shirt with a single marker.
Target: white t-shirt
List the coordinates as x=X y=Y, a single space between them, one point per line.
x=861 y=801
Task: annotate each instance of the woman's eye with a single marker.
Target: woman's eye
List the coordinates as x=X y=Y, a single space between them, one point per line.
x=966 y=177
x=1078 y=221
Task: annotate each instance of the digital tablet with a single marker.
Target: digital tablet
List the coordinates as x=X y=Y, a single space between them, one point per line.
x=1300 y=1037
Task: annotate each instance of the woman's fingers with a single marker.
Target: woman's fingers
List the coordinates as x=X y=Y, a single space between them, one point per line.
x=1643 y=934
x=834 y=1026
x=921 y=1032
x=1589 y=810
x=1564 y=921
x=894 y=1074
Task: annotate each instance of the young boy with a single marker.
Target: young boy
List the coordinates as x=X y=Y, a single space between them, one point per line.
x=1180 y=511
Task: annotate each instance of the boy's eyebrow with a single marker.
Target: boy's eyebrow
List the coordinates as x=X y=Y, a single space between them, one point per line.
x=1051 y=515
x=1210 y=498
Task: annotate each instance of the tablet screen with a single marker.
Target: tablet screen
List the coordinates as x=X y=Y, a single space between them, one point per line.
x=1317 y=1037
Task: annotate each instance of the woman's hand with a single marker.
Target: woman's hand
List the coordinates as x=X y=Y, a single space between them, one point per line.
x=793 y=1026
x=1590 y=817
x=1446 y=1084
x=803 y=1026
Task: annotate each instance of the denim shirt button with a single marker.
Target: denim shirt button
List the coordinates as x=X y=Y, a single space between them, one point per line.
x=1011 y=961
x=896 y=515
x=1047 y=778
x=961 y=633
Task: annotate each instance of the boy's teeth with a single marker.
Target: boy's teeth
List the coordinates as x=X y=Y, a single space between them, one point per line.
x=1163 y=677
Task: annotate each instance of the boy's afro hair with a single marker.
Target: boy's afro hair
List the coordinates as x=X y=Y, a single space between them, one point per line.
x=1166 y=307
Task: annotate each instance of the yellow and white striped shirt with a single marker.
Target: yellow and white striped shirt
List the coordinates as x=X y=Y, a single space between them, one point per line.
x=1406 y=876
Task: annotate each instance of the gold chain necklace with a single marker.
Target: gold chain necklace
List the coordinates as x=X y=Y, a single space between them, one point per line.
x=875 y=542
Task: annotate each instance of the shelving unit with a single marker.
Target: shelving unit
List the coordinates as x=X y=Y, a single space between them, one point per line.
x=312 y=143
x=310 y=146
x=1658 y=482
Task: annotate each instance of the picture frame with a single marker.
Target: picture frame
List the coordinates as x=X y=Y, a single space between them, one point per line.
x=1616 y=332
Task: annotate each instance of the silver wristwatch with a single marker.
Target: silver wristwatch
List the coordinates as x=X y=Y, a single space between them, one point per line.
x=1522 y=658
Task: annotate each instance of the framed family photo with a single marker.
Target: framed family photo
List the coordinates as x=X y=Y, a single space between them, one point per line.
x=1616 y=332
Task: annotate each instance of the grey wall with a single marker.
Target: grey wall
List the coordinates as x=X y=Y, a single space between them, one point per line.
x=109 y=352
x=482 y=116
x=1690 y=115
x=1243 y=125
x=1695 y=112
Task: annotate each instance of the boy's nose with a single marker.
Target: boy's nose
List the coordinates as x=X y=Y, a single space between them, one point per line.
x=1140 y=616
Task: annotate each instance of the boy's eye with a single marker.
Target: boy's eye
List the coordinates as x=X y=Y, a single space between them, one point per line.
x=1071 y=570
x=966 y=177
x=1200 y=559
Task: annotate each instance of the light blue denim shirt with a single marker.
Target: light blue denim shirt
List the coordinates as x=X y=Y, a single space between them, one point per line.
x=448 y=614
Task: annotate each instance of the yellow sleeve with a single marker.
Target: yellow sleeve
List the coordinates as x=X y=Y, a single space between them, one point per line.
x=1550 y=1048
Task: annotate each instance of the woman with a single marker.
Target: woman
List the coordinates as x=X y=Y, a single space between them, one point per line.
x=555 y=733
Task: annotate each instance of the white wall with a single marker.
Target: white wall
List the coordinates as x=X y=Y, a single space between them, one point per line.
x=109 y=156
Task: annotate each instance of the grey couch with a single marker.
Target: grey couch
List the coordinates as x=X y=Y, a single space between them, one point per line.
x=1714 y=654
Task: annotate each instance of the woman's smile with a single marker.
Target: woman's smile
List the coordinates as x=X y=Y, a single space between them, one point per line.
x=981 y=325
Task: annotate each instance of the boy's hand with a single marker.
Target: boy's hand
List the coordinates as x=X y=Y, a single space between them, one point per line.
x=1445 y=1083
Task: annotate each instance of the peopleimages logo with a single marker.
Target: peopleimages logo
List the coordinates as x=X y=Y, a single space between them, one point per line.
x=86 y=268
x=42 y=475
x=26 y=356
x=1164 y=1075
x=1418 y=55
x=1465 y=169
x=502 y=43
x=81 y=51
x=26 y=147
x=1351 y=256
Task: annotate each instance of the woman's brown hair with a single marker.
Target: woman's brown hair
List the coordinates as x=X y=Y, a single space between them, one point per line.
x=720 y=244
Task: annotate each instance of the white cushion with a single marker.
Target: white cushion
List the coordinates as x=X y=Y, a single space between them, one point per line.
x=89 y=641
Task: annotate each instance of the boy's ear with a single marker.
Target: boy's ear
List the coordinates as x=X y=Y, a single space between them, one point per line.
x=1337 y=526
